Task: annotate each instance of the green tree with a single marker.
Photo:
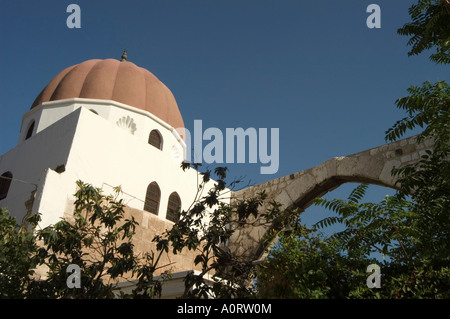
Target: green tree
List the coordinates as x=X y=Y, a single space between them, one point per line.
x=429 y=29
x=231 y=275
x=429 y=179
x=17 y=244
x=309 y=264
x=428 y=107
x=98 y=239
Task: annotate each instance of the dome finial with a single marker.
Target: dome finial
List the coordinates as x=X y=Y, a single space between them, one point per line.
x=124 y=56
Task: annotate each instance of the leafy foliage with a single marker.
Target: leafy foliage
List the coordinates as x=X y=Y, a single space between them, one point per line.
x=428 y=108
x=16 y=246
x=302 y=265
x=99 y=239
x=430 y=28
x=308 y=264
x=206 y=227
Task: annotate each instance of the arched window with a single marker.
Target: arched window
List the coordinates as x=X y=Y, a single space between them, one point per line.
x=155 y=139
x=152 y=198
x=5 y=182
x=30 y=130
x=173 y=207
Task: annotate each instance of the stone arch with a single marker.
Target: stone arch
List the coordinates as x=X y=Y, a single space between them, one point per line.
x=298 y=190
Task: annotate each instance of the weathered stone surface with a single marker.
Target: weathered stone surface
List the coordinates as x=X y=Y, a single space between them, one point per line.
x=284 y=199
x=300 y=186
x=386 y=175
x=151 y=225
x=298 y=190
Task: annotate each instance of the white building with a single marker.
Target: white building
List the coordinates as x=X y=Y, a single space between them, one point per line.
x=108 y=123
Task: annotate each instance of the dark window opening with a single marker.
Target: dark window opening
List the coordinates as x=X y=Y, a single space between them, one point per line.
x=152 y=198
x=5 y=183
x=30 y=130
x=173 y=207
x=155 y=139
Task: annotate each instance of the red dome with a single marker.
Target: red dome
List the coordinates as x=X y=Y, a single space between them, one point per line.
x=120 y=81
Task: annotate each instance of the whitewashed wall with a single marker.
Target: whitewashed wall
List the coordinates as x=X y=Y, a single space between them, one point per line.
x=96 y=150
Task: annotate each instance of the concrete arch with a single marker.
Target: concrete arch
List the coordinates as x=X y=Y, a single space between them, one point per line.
x=299 y=190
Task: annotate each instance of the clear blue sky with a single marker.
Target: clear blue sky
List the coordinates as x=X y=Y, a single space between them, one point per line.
x=313 y=69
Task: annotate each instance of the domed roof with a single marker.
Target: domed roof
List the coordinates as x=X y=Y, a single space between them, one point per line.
x=120 y=81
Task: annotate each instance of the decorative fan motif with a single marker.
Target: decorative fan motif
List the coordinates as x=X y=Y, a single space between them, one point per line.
x=127 y=123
